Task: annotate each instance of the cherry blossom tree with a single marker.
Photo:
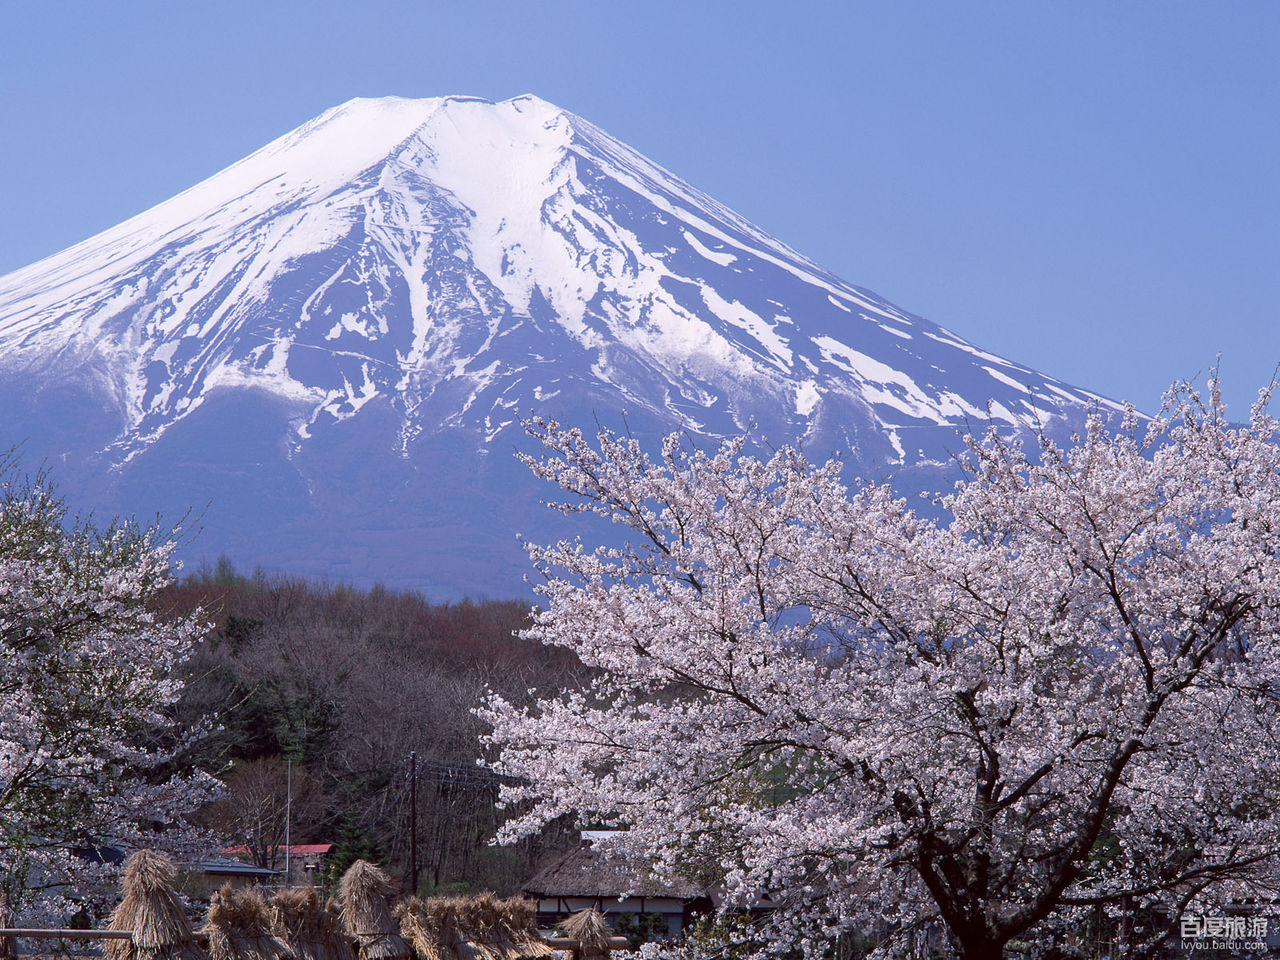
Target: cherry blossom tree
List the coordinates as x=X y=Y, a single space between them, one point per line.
x=1048 y=707
x=87 y=673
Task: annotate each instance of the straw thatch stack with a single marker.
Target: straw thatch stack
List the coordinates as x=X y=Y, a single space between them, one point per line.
x=366 y=913
x=420 y=929
x=152 y=912
x=309 y=927
x=589 y=928
x=472 y=928
x=239 y=928
x=522 y=919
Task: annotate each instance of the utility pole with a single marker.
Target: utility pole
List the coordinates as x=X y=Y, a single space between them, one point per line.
x=413 y=822
x=288 y=815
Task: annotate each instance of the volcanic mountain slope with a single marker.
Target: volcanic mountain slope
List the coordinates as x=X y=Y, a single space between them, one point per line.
x=327 y=347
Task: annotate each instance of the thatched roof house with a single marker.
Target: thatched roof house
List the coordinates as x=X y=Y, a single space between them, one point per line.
x=151 y=911
x=588 y=878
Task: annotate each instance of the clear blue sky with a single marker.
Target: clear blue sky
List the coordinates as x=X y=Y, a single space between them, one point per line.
x=1091 y=188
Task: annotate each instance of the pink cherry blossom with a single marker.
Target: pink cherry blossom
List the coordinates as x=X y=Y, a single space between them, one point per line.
x=1055 y=707
x=87 y=672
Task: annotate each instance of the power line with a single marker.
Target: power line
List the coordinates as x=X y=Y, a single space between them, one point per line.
x=459 y=772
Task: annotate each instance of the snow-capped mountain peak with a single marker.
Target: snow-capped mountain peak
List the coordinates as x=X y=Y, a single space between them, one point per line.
x=443 y=266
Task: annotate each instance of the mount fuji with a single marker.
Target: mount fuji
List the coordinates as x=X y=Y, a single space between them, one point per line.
x=325 y=350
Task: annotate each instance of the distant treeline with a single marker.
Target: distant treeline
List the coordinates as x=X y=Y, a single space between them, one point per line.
x=332 y=687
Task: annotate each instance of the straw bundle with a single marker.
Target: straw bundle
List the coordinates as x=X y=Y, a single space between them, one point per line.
x=482 y=921
x=366 y=913
x=455 y=929
x=522 y=917
x=239 y=928
x=308 y=927
x=420 y=929
x=589 y=928
x=152 y=912
x=473 y=928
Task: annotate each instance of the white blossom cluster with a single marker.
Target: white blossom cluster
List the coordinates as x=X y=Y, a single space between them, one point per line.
x=87 y=672
x=1054 y=707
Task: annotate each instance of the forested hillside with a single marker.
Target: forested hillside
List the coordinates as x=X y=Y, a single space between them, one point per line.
x=342 y=685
